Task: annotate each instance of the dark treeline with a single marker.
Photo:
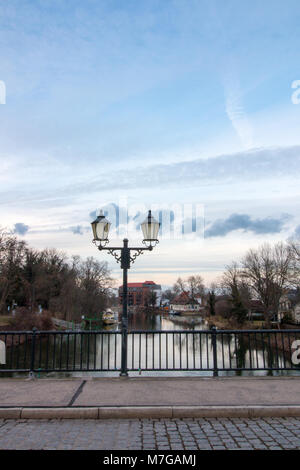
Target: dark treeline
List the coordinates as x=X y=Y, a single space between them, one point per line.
x=66 y=287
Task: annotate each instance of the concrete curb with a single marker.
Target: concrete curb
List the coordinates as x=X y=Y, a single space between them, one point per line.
x=10 y=413
x=136 y=412
x=60 y=413
x=235 y=411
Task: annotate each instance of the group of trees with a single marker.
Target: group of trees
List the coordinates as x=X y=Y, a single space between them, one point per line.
x=150 y=299
x=263 y=274
x=70 y=287
x=194 y=285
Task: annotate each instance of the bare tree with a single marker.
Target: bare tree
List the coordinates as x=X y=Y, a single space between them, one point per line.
x=168 y=294
x=233 y=279
x=267 y=271
x=195 y=286
x=12 y=252
x=179 y=286
x=236 y=287
x=94 y=281
x=32 y=268
x=150 y=298
x=53 y=274
x=294 y=247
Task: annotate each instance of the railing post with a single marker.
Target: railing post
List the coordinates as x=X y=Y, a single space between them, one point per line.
x=31 y=373
x=214 y=346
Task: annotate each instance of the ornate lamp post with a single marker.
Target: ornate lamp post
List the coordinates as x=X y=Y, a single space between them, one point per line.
x=125 y=255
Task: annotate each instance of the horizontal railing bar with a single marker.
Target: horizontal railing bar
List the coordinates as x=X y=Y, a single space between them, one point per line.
x=210 y=331
x=254 y=369
x=86 y=332
x=155 y=369
x=14 y=332
x=65 y=370
x=64 y=332
x=254 y=331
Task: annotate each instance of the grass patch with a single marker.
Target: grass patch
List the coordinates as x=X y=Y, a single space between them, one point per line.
x=232 y=324
x=4 y=320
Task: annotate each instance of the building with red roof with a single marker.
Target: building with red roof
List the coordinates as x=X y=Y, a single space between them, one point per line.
x=185 y=303
x=142 y=294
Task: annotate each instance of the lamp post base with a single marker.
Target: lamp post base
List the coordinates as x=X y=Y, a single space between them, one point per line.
x=124 y=374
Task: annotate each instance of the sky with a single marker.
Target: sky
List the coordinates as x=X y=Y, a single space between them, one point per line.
x=150 y=103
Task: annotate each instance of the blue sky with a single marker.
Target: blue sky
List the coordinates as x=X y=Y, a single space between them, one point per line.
x=180 y=101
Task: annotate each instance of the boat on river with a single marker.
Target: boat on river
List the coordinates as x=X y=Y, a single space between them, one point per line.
x=109 y=317
x=174 y=312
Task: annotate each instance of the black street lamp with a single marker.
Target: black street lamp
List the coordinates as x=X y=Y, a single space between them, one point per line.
x=150 y=229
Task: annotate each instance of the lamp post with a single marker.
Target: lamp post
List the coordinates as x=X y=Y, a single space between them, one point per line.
x=126 y=256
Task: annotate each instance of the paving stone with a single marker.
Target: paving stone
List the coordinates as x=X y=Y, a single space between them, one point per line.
x=147 y=434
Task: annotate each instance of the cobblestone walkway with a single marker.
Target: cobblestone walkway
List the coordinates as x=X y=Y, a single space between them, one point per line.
x=163 y=434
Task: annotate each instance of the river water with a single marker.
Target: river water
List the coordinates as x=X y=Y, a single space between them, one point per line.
x=152 y=351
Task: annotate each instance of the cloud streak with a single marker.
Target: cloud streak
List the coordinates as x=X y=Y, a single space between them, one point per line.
x=253 y=165
x=268 y=225
x=249 y=165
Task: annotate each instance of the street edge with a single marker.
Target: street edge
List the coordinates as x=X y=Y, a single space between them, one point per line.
x=152 y=412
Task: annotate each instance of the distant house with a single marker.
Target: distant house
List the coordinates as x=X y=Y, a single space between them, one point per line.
x=289 y=306
x=185 y=303
x=256 y=310
x=296 y=312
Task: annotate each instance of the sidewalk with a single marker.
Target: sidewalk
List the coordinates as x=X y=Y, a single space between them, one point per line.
x=150 y=397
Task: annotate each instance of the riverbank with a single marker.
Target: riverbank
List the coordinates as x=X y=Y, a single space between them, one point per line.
x=279 y=341
x=229 y=324
x=4 y=322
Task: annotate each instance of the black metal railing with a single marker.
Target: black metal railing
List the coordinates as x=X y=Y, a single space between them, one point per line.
x=61 y=351
x=211 y=352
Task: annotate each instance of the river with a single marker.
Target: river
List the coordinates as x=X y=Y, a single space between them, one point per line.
x=163 y=351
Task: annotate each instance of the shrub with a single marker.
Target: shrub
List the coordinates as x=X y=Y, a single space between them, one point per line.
x=45 y=321
x=287 y=318
x=25 y=319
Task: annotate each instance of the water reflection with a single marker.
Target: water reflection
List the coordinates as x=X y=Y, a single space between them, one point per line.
x=172 y=350
x=151 y=321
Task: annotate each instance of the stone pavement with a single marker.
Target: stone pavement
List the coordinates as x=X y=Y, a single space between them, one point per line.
x=151 y=434
x=150 y=391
